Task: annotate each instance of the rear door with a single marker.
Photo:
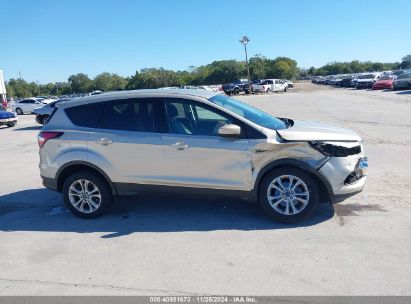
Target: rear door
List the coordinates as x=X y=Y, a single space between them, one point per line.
x=127 y=143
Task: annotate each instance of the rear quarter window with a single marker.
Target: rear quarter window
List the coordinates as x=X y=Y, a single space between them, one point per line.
x=88 y=115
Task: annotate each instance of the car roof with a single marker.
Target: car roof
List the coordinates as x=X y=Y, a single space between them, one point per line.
x=140 y=93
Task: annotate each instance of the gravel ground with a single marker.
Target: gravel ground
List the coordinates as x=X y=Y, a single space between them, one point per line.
x=187 y=247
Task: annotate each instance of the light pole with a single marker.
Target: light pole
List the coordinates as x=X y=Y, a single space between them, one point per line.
x=244 y=41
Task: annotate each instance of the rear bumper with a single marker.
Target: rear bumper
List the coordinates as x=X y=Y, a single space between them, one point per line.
x=49 y=183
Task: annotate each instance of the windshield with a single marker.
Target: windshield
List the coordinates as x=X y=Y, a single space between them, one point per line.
x=248 y=112
x=387 y=77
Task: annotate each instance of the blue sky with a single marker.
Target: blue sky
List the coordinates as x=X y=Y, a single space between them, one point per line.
x=49 y=40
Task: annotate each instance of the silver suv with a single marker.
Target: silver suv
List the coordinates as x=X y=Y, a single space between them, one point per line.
x=199 y=142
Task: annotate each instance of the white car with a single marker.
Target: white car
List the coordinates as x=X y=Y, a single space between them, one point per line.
x=366 y=81
x=26 y=106
x=271 y=85
x=289 y=83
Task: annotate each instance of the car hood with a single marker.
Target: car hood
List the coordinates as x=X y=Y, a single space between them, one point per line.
x=387 y=81
x=311 y=131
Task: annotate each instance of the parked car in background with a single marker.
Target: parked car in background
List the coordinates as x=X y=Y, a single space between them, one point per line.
x=46 y=99
x=199 y=142
x=256 y=85
x=235 y=87
x=320 y=80
x=26 y=106
x=7 y=118
x=367 y=80
x=43 y=113
x=385 y=82
x=275 y=85
x=403 y=81
x=346 y=82
x=289 y=83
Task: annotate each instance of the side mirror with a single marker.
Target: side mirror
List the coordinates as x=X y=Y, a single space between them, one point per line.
x=229 y=131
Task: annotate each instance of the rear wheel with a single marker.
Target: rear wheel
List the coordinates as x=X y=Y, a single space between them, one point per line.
x=19 y=111
x=288 y=195
x=11 y=125
x=45 y=120
x=285 y=89
x=268 y=91
x=86 y=194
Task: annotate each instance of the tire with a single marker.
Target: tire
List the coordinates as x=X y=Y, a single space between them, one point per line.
x=11 y=125
x=268 y=91
x=285 y=89
x=19 y=111
x=236 y=91
x=72 y=197
x=301 y=211
x=45 y=120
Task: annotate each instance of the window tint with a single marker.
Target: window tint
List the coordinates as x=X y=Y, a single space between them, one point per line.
x=192 y=118
x=130 y=115
x=87 y=115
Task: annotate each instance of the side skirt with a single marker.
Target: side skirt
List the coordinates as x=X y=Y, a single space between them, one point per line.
x=124 y=189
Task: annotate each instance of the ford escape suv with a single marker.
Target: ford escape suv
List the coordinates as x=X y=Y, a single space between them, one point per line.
x=199 y=142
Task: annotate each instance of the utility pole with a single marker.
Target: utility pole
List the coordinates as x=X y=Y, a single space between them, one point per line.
x=244 y=41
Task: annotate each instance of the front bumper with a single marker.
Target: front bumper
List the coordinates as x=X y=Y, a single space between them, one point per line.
x=7 y=121
x=346 y=176
x=364 y=85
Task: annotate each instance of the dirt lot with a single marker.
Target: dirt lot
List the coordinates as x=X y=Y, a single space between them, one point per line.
x=180 y=247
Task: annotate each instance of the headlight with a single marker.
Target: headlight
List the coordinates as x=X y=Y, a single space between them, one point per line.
x=334 y=150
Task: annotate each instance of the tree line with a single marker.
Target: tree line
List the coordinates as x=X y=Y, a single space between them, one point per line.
x=355 y=66
x=217 y=72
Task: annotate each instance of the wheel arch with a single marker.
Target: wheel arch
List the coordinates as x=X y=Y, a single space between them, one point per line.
x=324 y=187
x=74 y=166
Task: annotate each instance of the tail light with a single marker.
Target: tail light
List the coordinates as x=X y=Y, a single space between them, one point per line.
x=43 y=137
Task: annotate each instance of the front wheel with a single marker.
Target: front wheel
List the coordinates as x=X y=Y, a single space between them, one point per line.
x=10 y=125
x=19 y=111
x=86 y=194
x=288 y=195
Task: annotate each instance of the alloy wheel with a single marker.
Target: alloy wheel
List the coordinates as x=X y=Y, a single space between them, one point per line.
x=84 y=196
x=288 y=194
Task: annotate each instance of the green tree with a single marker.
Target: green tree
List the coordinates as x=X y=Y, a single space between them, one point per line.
x=80 y=83
x=406 y=62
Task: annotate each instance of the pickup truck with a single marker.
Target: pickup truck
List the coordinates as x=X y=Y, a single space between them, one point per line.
x=271 y=85
x=235 y=87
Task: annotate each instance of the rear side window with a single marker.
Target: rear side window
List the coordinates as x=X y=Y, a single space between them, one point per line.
x=139 y=115
x=88 y=115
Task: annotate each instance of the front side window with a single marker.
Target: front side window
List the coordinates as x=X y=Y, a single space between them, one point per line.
x=191 y=118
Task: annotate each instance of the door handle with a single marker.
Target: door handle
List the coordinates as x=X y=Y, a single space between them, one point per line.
x=104 y=141
x=180 y=146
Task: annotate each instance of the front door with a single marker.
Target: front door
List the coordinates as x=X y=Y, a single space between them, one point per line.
x=195 y=156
